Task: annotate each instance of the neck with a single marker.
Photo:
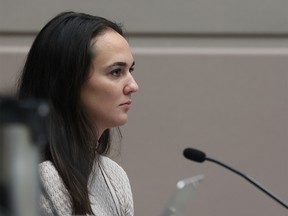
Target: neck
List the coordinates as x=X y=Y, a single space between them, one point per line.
x=100 y=131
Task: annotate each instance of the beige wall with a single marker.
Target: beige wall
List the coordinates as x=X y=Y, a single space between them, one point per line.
x=157 y=16
x=218 y=82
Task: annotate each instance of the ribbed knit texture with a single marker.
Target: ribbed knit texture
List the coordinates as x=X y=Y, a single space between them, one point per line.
x=57 y=199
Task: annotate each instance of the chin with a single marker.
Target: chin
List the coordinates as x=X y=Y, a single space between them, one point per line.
x=120 y=122
x=123 y=122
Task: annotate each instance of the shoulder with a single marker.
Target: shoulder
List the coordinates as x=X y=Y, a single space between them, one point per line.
x=48 y=172
x=50 y=177
x=120 y=182
x=54 y=195
x=116 y=174
x=113 y=167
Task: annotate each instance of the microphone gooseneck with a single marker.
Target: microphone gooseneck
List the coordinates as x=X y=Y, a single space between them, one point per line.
x=199 y=156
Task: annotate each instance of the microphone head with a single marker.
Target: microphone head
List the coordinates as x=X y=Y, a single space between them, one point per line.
x=195 y=155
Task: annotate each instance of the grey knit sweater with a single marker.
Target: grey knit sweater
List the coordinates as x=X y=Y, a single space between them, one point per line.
x=109 y=187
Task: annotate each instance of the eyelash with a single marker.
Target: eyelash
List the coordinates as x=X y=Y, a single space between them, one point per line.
x=131 y=70
x=118 y=72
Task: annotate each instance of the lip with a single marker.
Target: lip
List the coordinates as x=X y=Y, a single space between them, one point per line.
x=126 y=104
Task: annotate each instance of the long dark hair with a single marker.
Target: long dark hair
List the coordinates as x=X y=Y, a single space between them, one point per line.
x=56 y=67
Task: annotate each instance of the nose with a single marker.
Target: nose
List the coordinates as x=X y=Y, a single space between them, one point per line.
x=131 y=86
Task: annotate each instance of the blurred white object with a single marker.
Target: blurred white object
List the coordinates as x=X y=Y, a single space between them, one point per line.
x=185 y=189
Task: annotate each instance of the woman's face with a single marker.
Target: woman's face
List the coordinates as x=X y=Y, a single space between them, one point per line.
x=106 y=95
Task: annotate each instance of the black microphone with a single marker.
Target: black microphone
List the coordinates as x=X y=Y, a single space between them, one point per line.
x=199 y=156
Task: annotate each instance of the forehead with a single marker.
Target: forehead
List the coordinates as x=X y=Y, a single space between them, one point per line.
x=109 y=45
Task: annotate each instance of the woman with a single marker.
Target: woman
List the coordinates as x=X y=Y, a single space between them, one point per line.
x=81 y=64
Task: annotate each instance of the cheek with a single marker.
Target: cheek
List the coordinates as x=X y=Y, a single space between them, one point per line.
x=95 y=96
x=89 y=92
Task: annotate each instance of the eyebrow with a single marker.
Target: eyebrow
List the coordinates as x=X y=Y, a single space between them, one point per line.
x=121 y=64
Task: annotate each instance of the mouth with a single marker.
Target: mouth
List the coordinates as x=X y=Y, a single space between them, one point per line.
x=126 y=105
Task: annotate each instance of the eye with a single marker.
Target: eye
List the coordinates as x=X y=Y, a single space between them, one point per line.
x=116 y=72
x=131 y=70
